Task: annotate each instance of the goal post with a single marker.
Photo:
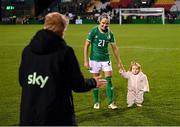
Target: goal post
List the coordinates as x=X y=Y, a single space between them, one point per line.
x=142 y=12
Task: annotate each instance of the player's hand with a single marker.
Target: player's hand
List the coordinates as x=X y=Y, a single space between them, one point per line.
x=86 y=65
x=100 y=82
x=120 y=67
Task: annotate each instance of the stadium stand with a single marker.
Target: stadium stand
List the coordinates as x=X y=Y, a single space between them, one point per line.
x=33 y=11
x=0 y=12
x=176 y=7
x=120 y=3
x=93 y=5
x=175 y=12
x=115 y=3
x=167 y=4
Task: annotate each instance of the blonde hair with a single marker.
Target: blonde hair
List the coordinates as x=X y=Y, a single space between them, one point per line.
x=104 y=15
x=56 y=22
x=135 y=64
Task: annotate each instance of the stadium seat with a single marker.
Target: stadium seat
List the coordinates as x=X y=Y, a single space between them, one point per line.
x=167 y=4
x=176 y=7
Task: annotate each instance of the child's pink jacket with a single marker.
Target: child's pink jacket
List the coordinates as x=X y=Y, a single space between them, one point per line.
x=141 y=83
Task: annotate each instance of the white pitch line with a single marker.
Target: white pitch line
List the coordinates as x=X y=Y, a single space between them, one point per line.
x=144 y=48
x=121 y=47
x=13 y=44
x=129 y=47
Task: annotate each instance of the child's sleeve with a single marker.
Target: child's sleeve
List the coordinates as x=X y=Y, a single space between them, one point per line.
x=124 y=74
x=146 y=84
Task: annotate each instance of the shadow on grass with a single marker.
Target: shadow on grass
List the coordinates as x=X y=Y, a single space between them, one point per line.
x=90 y=114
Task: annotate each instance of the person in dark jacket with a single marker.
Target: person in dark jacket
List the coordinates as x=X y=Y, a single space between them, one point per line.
x=48 y=73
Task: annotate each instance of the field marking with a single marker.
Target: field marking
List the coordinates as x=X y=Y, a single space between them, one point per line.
x=135 y=47
x=122 y=47
x=13 y=44
x=143 y=48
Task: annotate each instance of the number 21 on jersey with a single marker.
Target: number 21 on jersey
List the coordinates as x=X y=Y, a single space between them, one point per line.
x=101 y=43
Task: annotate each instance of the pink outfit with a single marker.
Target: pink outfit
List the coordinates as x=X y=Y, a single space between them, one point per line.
x=137 y=85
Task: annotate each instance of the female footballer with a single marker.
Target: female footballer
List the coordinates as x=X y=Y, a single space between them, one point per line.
x=99 y=38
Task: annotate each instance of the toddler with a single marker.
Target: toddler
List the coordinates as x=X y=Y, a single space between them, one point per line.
x=137 y=84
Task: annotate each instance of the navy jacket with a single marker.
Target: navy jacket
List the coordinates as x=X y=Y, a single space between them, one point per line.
x=48 y=73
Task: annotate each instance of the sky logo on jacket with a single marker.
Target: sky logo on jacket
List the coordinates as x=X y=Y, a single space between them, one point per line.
x=35 y=79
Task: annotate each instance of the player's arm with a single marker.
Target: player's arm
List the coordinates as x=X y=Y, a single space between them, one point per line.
x=86 y=50
x=116 y=54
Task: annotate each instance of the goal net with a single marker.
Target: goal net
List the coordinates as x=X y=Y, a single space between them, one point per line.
x=142 y=12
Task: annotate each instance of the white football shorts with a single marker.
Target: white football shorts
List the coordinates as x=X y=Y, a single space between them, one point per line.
x=97 y=66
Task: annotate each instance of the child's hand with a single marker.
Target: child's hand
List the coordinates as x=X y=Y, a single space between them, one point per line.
x=121 y=70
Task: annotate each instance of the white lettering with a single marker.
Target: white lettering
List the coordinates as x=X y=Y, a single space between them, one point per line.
x=44 y=81
x=30 y=79
x=37 y=79
x=34 y=78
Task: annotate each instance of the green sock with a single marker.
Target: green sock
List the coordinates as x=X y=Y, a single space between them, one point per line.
x=109 y=90
x=96 y=95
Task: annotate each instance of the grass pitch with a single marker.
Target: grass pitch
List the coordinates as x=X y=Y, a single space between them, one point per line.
x=155 y=47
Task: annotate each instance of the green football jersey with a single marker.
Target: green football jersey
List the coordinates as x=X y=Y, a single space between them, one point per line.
x=99 y=44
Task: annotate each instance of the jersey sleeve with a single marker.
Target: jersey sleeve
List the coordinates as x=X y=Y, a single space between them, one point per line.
x=90 y=36
x=112 y=39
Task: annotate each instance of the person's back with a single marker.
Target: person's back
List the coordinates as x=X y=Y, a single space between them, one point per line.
x=43 y=76
x=48 y=73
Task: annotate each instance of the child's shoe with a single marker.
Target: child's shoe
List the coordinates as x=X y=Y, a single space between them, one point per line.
x=139 y=105
x=130 y=105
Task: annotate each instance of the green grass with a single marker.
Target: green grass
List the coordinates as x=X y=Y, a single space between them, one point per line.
x=155 y=47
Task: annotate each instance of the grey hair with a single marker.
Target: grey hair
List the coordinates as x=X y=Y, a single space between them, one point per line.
x=104 y=15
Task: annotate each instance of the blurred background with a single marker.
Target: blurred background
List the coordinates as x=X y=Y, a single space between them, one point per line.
x=156 y=47
x=83 y=11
